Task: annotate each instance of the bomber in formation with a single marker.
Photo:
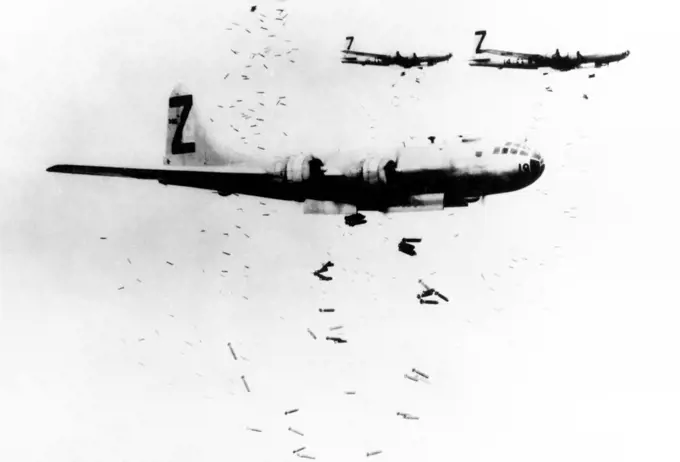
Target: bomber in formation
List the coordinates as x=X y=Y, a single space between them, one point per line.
x=503 y=59
x=377 y=59
x=402 y=179
x=413 y=178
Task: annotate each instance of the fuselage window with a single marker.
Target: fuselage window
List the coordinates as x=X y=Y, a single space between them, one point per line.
x=505 y=150
x=513 y=151
x=536 y=156
x=496 y=150
x=523 y=153
x=478 y=153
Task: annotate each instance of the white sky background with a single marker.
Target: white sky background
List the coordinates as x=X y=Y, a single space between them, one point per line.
x=570 y=353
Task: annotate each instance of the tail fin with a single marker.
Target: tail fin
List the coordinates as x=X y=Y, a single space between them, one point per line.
x=349 y=42
x=187 y=141
x=482 y=36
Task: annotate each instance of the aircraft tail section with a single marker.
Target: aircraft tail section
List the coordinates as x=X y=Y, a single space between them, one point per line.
x=482 y=35
x=188 y=143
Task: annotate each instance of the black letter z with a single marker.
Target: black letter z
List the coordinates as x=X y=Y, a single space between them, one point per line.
x=178 y=144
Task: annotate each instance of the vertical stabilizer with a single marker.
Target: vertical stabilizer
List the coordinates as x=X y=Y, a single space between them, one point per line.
x=482 y=35
x=188 y=142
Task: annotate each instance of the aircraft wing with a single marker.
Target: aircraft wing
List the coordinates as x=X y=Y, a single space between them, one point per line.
x=434 y=58
x=602 y=59
x=366 y=62
x=515 y=54
x=367 y=55
x=253 y=182
x=214 y=180
x=508 y=64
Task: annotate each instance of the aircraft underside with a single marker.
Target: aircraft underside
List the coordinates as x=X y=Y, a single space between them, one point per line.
x=424 y=189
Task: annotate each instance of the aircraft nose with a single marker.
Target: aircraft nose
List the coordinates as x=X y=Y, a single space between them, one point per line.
x=537 y=165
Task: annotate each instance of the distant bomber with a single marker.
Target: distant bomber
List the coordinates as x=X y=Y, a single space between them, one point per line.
x=375 y=59
x=401 y=179
x=501 y=59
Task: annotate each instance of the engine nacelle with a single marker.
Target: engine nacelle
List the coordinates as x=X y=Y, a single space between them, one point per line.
x=299 y=168
x=374 y=170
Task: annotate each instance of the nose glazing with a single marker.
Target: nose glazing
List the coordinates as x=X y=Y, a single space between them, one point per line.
x=537 y=164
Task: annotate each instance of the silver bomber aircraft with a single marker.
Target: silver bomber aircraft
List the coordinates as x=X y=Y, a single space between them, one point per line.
x=502 y=59
x=430 y=177
x=378 y=59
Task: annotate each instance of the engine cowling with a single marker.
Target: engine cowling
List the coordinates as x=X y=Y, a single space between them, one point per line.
x=299 y=168
x=375 y=170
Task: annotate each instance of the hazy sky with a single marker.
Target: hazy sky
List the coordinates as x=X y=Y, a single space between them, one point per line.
x=559 y=342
